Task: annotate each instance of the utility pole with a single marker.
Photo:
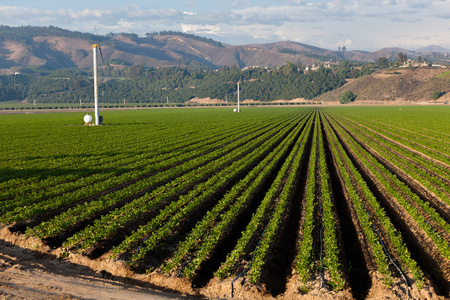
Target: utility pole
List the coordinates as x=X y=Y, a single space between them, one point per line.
x=239 y=109
x=94 y=47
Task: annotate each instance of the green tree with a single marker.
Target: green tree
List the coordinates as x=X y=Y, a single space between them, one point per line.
x=382 y=62
x=401 y=58
x=136 y=71
x=347 y=97
x=367 y=69
x=437 y=94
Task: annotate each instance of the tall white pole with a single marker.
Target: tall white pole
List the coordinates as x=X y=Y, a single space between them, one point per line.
x=94 y=47
x=239 y=109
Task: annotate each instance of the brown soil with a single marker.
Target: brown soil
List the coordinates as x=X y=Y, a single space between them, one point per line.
x=32 y=274
x=207 y=100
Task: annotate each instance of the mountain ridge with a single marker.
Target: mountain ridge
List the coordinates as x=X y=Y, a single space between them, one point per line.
x=55 y=48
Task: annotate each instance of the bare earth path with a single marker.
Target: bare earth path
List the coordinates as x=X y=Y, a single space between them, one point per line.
x=26 y=274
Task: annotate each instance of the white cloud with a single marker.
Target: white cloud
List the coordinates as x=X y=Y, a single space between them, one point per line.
x=88 y=13
x=356 y=24
x=200 y=29
x=346 y=43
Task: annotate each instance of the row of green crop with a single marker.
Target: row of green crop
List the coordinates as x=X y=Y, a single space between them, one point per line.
x=120 y=216
x=52 y=151
x=434 y=149
x=421 y=158
x=196 y=168
x=429 y=137
x=378 y=213
x=305 y=260
x=318 y=195
x=428 y=122
x=168 y=218
x=352 y=184
x=415 y=166
x=409 y=126
x=406 y=126
x=211 y=229
x=24 y=207
x=331 y=249
x=272 y=208
x=63 y=167
x=408 y=168
x=403 y=194
x=36 y=203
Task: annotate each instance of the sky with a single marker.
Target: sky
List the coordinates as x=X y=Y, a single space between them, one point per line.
x=359 y=25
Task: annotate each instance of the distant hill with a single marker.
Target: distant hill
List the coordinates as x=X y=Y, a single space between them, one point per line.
x=434 y=48
x=400 y=85
x=55 y=48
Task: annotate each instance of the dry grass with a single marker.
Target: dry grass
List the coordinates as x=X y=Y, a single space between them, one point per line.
x=400 y=85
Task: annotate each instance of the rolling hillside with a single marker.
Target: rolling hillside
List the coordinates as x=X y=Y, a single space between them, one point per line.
x=56 y=48
x=400 y=85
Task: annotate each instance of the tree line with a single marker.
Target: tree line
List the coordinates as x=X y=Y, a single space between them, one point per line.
x=140 y=84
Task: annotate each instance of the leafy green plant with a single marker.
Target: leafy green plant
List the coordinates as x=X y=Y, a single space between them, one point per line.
x=437 y=94
x=347 y=97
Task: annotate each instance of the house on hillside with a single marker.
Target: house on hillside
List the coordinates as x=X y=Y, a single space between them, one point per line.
x=439 y=66
x=411 y=63
x=314 y=67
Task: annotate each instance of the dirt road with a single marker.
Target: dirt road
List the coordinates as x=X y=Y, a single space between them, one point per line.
x=27 y=274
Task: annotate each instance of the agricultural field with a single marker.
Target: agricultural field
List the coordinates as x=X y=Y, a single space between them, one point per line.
x=293 y=202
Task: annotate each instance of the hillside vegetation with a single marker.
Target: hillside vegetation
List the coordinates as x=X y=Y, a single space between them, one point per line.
x=137 y=84
x=178 y=85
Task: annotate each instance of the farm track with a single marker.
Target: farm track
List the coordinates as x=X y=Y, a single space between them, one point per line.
x=240 y=212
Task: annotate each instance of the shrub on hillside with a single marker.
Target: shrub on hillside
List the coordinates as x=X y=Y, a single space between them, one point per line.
x=436 y=95
x=347 y=97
